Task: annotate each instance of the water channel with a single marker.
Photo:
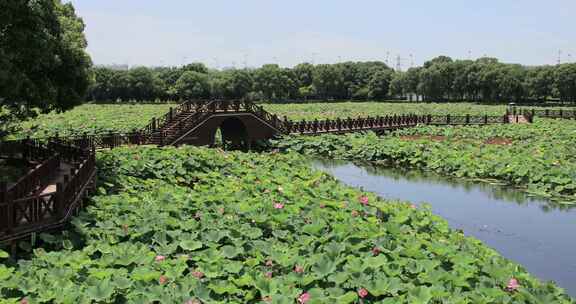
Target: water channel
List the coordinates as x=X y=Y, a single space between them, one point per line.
x=523 y=229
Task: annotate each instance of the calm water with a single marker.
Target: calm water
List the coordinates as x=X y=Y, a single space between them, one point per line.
x=523 y=229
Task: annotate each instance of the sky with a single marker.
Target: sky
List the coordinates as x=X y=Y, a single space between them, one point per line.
x=239 y=33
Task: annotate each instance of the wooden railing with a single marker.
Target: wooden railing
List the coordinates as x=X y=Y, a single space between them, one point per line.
x=30 y=182
x=29 y=206
x=387 y=123
x=549 y=113
x=173 y=113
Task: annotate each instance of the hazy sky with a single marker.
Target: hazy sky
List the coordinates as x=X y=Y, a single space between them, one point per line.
x=223 y=33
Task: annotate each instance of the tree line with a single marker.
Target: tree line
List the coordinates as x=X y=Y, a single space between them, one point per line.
x=440 y=79
x=350 y=80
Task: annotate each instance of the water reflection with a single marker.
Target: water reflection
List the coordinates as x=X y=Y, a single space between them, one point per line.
x=527 y=230
x=492 y=188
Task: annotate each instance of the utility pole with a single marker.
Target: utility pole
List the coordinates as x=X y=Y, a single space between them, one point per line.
x=559 y=56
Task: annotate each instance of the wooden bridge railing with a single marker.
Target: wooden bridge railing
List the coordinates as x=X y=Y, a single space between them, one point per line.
x=173 y=113
x=29 y=150
x=30 y=211
x=387 y=123
x=549 y=113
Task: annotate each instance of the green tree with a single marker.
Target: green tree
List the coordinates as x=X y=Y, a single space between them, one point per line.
x=43 y=62
x=539 y=82
x=328 y=81
x=193 y=85
x=379 y=84
x=143 y=86
x=565 y=81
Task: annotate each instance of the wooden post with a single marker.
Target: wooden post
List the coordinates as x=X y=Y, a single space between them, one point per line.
x=447 y=119
x=485 y=119
x=467 y=119
x=170 y=114
x=3 y=191
x=59 y=201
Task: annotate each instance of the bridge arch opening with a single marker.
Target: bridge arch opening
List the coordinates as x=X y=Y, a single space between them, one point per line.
x=232 y=134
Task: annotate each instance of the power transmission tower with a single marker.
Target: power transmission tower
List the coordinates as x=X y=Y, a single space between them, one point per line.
x=398 y=63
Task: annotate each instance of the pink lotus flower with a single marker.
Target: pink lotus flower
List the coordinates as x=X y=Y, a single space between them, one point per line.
x=298 y=269
x=513 y=285
x=304 y=298
x=221 y=210
x=376 y=251
x=269 y=263
x=362 y=292
x=193 y=301
x=268 y=274
x=24 y=301
x=322 y=206
x=363 y=200
x=162 y=280
x=413 y=206
x=197 y=274
x=355 y=213
x=278 y=206
x=159 y=258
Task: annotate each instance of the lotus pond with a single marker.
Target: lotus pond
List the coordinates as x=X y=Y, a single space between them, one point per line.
x=193 y=225
x=101 y=118
x=539 y=158
x=520 y=227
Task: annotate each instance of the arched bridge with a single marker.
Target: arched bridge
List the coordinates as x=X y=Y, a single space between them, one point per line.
x=241 y=123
